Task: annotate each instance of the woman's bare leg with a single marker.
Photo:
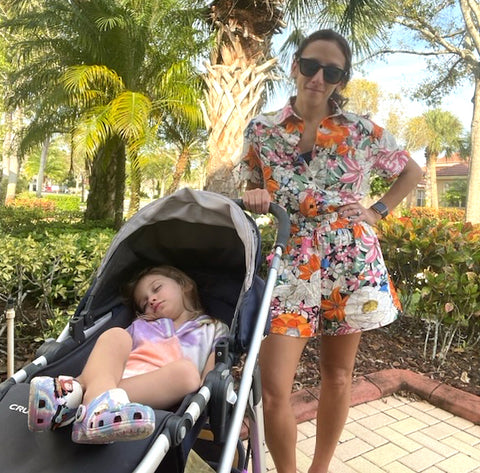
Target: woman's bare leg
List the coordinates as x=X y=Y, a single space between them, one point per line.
x=278 y=360
x=105 y=365
x=337 y=360
x=164 y=387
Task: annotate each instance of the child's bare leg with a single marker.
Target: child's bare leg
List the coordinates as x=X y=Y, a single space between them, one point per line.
x=164 y=387
x=105 y=365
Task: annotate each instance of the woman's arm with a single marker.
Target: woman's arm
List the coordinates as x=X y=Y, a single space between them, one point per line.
x=405 y=182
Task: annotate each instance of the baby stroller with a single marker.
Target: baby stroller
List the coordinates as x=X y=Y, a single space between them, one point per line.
x=213 y=240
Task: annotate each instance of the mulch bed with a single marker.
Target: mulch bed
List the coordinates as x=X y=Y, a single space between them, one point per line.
x=400 y=345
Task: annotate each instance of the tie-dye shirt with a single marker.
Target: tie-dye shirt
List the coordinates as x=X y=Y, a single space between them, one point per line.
x=157 y=343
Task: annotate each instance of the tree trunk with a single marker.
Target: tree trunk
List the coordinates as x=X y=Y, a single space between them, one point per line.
x=236 y=85
x=472 y=212
x=6 y=151
x=120 y=177
x=10 y=161
x=235 y=95
x=431 y=192
x=135 y=186
x=180 y=168
x=12 y=178
x=41 y=169
x=107 y=184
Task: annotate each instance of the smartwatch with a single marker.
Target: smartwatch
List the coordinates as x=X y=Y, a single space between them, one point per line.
x=380 y=208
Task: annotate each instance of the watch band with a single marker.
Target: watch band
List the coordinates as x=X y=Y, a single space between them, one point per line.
x=380 y=208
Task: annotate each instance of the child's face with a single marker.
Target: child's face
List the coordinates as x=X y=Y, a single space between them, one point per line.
x=159 y=297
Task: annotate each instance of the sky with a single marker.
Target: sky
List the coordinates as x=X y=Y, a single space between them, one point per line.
x=402 y=71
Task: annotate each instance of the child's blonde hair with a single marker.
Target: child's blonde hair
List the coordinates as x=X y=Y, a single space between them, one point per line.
x=191 y=298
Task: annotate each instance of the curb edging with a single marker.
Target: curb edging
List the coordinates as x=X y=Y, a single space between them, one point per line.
x=384 y=383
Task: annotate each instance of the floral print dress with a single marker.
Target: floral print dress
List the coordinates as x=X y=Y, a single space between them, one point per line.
x=333 y=278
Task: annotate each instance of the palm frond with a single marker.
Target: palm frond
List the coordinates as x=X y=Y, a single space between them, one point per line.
x=82 y=79
x=129 y=115
x=178 y=93
x=106 y=23
x=92 y=131
x=145 y=145
x=360 y=21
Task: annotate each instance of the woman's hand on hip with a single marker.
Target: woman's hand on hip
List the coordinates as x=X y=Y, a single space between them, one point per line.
x=257 y=200
x=356 y=213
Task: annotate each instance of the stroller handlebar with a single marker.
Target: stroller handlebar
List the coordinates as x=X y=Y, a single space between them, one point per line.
x=282 y=218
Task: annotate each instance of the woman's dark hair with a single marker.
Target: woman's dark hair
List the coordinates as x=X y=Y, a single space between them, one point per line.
x=191 y=298
x=331 y=35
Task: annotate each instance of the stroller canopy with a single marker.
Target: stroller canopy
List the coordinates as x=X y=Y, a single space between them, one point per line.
x=205 y=234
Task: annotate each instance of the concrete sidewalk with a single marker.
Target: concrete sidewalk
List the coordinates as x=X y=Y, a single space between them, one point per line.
x=399 y=422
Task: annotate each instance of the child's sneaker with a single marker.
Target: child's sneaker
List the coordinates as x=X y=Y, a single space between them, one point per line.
x=52 y=402
x=111 y=417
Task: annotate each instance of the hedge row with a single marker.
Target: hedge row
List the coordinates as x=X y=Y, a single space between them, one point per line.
x=435 y=264
x=46 y=265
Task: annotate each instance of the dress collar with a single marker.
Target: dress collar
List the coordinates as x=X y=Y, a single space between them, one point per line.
x=288 y=113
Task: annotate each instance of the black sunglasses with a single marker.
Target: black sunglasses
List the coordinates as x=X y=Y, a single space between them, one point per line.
x=331 y=74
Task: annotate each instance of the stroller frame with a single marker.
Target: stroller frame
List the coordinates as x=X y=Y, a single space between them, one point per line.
x=216 y=399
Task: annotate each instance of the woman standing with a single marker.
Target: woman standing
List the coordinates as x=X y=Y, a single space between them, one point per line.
x=315 y=160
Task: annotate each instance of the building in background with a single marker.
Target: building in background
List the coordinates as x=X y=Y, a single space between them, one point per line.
x=452 y=182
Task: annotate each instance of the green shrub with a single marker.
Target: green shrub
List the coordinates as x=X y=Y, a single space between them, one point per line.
x=435 y=264
x=51 y=271
x=48 y=202
x=67 y=202
x=268 y=231
x=47 y=260
x=450 y=214
x=31 y=202
x=27 y=221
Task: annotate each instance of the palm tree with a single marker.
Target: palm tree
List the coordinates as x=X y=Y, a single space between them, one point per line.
x=188 y=142
x=157 y=163
x=437 y=131
x=131 y=116
x=10 y=158
x=12 y=119
x=120 y=58
x=140 y=40
x=56 y=168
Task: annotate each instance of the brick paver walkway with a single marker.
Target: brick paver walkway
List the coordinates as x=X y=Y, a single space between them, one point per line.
x=397 y=434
